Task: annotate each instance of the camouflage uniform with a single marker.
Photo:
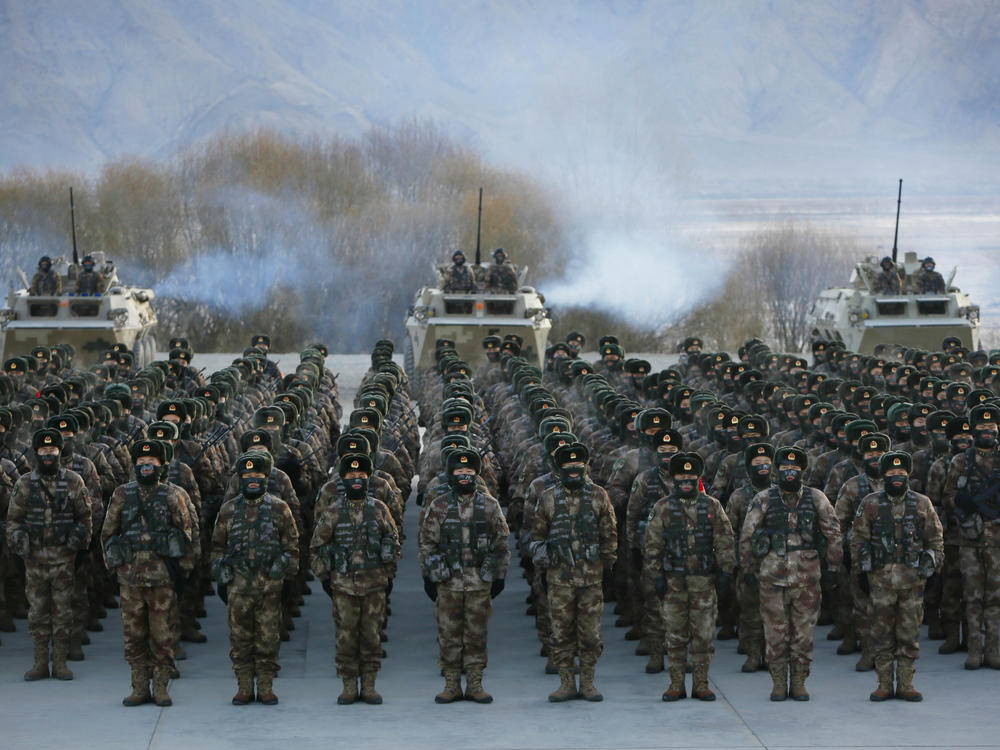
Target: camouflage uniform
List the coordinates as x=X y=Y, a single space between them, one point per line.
x=751 y=629
x=783 y=550
x=49 y=525
x=649 y=487
x=354 y=548
x=574 y=538
x=687 y=542
x=951 y=603
x=970 y=473
x=459 y=280
x=46 y=283
x=256 y=543
x=501 y=278
x=463 y=547
x=139 y=521
x=910 y=527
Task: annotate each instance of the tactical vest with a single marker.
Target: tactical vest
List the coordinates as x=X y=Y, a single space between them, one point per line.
x=864 y=489
x=151 y=516
x=676 y=544
x=480 y=544
x=885 y=547
x=39 y=499
x=349 y=538
x=563 y=528
x=265 y=544
x=776 y=525
x=655 y=490
x=88 y=282
x=977 y=480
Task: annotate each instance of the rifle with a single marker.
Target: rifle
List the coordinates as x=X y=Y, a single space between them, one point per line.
x=895 y=237
x=127 y=438
x=72 y=222
x=981 y=502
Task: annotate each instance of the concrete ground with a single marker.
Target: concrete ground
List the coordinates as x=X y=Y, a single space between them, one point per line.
x=87 y=712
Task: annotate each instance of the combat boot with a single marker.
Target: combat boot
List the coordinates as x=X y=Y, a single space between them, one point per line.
x=75 y=652
x=550 y=666
x=191 y=634
x=60 y=650
x=642 y=647
x=836 y=633
x=779 y=678
x=867 y=662
x=992 y=655
x=265 y=690
x=850 y=642
x=350 y=692
x=655 y=663
x=161 y=677
x=40 y=669
x=474 y=687
x=6 y=621
x=699 y=684
x=676 y=691
x=884 y=690
x=589 y=691
x=244 y=689
x=567 y=687
x=368 y=693
x=952 y=638
x=452 y=687
x=797 y=682
x=754 y=661
x=904 y=681
x=726 y=633
x=975 y=658
x=140 y=688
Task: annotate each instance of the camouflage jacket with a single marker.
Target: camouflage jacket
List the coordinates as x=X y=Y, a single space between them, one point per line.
x=358 y=580
x=648 y=488
x=973 y=529
x=485 y=544
x=839 y=474
x=721 y=533
x=251 y=574
x=62 y=508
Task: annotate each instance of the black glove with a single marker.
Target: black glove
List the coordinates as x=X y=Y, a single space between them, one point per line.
x=327 y=587
x=496 y=587
x=388 y=588
x=750 y=579
x=420 y=498
x=287 y=590
x=828 y=580
x=608 y=579
x=545 y=581
x=431 y=589
x=724 y=586
x=864 y=585
x=963 y=502
x=660 y=584
x=176 y=575
x=79 y=559
x=932 y=580
x=846 y=562
x=637 y=559
x=223 y=590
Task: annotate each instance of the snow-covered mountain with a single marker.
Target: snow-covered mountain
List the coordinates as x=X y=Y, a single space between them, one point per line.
x=842 y=92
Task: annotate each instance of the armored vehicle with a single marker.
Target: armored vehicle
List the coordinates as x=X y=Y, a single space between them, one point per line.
x=862 y=319
x=92 y=324
x=468 y=318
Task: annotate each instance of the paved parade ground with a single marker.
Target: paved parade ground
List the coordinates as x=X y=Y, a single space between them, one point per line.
x=959 y=710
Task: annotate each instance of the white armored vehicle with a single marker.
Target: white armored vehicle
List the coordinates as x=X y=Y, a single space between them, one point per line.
x=862 y=319
x=468 y=318
x=91 y=324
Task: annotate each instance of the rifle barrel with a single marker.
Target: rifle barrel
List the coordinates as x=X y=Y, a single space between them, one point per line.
x=895 y=237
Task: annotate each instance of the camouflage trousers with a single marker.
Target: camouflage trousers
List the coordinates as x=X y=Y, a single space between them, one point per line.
x=853 y=607
x=689 y=618
x=946 y=593
x=981 y=587
x=358 y=621
x=255 y=631
x=81 y=598
x=543 y=623
x=653 y=629
x=789 y=615
x=49 y=588
x=895 y=620
x=147 y=626
x=462 y=617
x=751 y=627
x=575 y=613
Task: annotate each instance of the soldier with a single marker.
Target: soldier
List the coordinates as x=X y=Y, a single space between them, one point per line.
x=45 y=282
x=353 y=552
x=888 y=281
x=501 y=278
x=573 y=543
x=464 y=554
x=972 y=495
x=147 y=541
x=759 y=461
x=89 y=282
x=49 y=525
x=928 y=280
x=897 y=544
x=255 y=556
x=688 y=545
x=788 y=529
x=459 y=278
